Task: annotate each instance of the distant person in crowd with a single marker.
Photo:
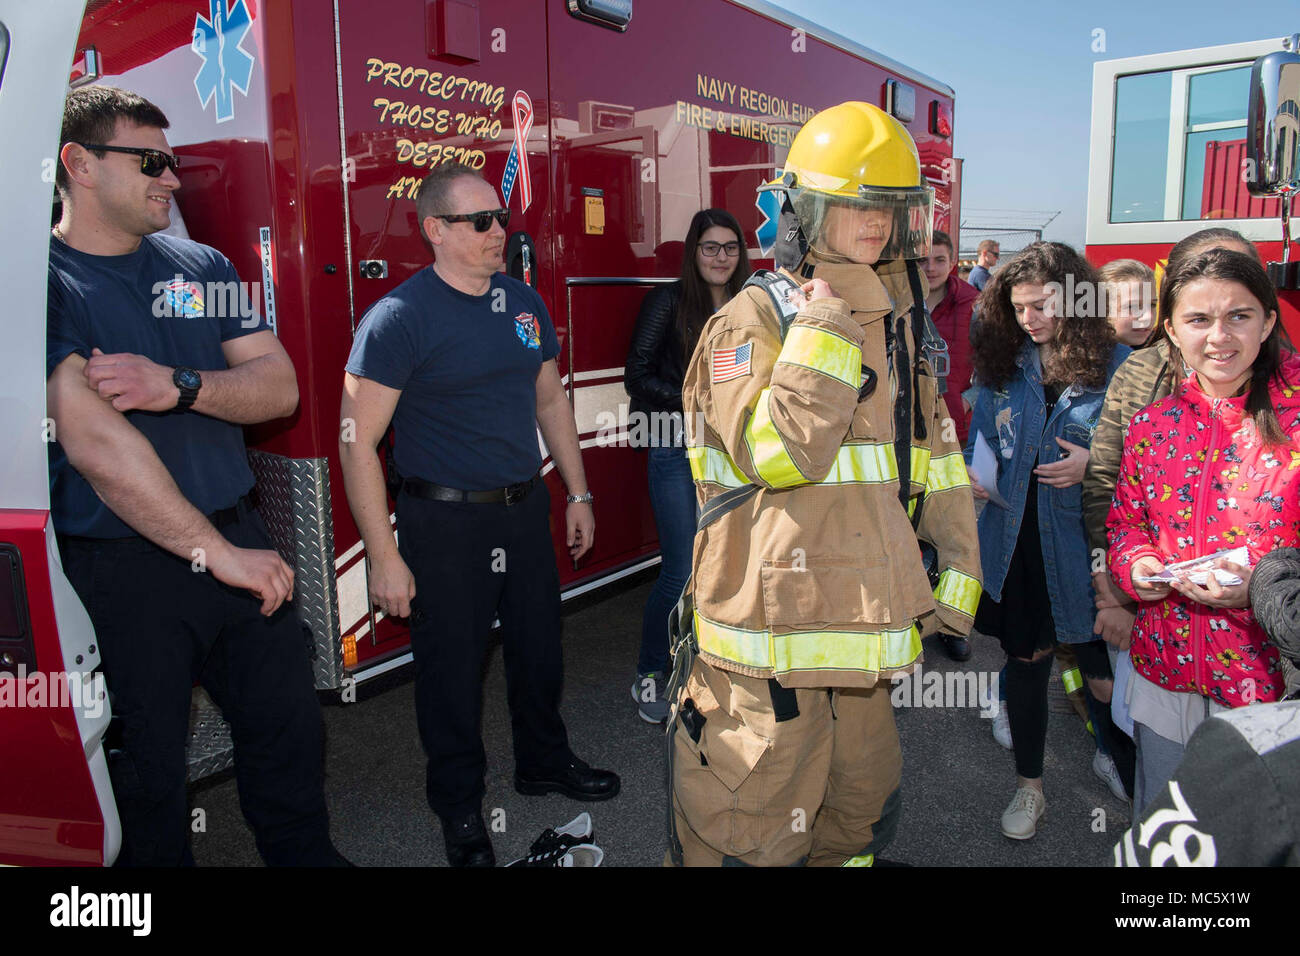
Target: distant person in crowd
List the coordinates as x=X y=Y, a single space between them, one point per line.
x=1044 y=370
x=986 y=257
x=714 y=268
x=950 y=301
x=1147 y=375
x=1128 y=291
x=963 y=273
x=1247 y=757
x=1210 y=467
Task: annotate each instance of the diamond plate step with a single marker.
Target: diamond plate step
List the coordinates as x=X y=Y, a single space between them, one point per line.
x=210 y=749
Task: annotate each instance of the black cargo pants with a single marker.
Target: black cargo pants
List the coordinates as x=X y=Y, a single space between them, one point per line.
x=161 y=626
x=473 y=562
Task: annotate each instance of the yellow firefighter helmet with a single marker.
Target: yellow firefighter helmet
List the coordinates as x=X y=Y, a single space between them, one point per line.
x=855 y=156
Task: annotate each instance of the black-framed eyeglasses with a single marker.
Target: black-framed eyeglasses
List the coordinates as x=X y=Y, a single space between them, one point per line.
x=152 y=161
x=482 y=220
x=711 y=249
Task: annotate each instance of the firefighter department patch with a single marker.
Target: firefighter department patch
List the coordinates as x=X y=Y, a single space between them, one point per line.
x=183 y=299
x=528 y=330
x=727 y=364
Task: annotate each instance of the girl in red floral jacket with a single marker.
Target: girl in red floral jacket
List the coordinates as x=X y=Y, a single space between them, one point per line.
x=1214 y=466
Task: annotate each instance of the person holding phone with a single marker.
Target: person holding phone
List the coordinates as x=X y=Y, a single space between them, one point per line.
x=1213 y=466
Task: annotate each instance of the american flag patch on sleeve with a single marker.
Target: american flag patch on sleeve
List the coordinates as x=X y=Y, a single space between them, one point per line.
x=730 y=363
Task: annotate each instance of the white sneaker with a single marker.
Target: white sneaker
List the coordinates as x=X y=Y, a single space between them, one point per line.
x=1104 y=767
x=1020 y=821
x=1002 y=726
x=584 y=854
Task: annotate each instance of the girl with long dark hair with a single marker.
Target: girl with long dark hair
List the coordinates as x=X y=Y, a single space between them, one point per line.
x=714 y=268
x=1043 y=360
x=1214 y=466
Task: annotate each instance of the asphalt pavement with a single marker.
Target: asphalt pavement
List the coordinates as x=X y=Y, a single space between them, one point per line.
x=956 y=779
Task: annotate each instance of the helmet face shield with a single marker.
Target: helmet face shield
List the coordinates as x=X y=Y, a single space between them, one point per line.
x=877 y=224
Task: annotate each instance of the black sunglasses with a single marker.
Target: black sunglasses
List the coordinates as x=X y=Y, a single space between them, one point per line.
x=482 y=220
x=152 y=161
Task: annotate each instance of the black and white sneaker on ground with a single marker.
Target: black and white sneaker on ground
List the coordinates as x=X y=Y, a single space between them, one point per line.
x=569 y=845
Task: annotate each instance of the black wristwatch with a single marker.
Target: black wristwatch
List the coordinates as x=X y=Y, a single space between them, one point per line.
x=189 y=382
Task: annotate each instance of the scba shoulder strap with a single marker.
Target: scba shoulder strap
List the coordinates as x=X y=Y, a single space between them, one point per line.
x=779 y=290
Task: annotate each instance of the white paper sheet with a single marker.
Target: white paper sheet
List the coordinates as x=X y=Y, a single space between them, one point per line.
x=984 y=463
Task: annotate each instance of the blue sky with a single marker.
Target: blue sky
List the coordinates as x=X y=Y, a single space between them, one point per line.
x=1023 y=76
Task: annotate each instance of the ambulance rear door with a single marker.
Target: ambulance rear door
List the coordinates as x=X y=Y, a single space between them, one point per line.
x=56 y=804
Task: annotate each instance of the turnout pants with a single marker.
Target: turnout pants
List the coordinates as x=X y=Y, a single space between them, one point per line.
x=472 y=563
x=161 y=626
x=755 y=783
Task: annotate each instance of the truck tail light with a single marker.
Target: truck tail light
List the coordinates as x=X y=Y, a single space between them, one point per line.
x=350 y=651
x=940 y=119
x=16 y=646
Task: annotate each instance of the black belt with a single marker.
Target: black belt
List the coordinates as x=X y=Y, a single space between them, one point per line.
x=511 y=495
x=235 y=513
x=223 y=518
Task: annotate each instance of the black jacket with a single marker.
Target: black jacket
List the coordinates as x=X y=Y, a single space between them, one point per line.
x=1233 y=801
x=1275 y=599
x=656 y=359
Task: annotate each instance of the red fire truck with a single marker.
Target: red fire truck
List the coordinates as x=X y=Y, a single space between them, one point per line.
x=1169 y=157
x=304 y=128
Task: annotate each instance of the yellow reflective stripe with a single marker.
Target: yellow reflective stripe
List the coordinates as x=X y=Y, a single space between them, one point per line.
x=862 y=859
x=868 y=463
x=845 y=650
x=920 y=464
x=712 y=466
x=854 y=464
x=947 y=471
x=959 y=591
x=733 y=643
x=823 y=351
x=866 y=651
x=767 y=449
x=1072 y=680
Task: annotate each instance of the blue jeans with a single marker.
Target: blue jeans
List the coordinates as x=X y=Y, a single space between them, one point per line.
x=672 y=495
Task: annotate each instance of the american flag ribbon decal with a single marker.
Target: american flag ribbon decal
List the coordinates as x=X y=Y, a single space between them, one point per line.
x=517 y=162
x=730 y=363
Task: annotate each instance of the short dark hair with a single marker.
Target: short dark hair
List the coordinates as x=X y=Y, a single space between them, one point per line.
x=91 y=115
x=435 y=190
x=1210 y=238
x=938 y=238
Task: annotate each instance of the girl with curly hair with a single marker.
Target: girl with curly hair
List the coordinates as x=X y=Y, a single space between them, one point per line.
x=1043 y=354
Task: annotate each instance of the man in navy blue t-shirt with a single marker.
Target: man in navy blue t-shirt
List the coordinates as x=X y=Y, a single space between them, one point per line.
x=461 y=359
x=153 y=363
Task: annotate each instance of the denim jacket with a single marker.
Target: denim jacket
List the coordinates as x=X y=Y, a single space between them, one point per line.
x=1014 y=421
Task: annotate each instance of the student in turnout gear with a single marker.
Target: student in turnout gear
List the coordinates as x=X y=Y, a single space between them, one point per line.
x=810 y=402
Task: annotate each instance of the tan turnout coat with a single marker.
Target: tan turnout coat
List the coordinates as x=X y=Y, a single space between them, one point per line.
x=817 y=580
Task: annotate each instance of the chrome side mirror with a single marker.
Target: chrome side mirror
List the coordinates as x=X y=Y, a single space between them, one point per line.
x=1273 y=141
